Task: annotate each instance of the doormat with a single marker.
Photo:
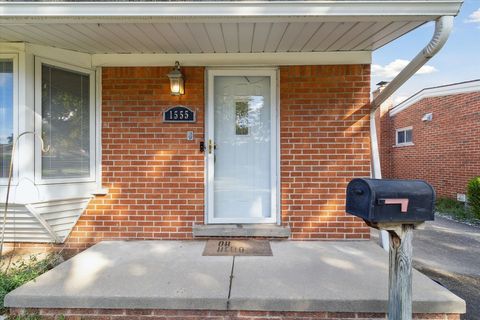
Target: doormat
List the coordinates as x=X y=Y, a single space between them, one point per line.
x=237 y=248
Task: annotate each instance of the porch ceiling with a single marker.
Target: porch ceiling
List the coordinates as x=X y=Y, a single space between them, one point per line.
x=184 y=37
x=217 y=27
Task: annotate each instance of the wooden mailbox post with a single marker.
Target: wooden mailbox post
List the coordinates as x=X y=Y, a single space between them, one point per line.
x=399 y=207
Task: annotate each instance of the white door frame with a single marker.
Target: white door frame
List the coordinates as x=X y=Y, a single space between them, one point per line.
x=274 y=145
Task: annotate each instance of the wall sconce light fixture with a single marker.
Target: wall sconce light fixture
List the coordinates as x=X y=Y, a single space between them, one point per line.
x=176 y=81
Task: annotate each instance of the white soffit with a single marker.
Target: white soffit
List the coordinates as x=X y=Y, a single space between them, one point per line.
x=191 y=27
x=446 y=90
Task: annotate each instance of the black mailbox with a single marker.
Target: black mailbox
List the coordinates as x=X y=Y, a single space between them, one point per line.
x=391 y=201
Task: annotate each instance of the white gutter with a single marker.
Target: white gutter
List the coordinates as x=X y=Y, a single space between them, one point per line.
x=331 y=10
x=443 y=28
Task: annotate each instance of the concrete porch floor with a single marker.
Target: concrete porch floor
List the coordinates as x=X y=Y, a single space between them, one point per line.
x=300 y=276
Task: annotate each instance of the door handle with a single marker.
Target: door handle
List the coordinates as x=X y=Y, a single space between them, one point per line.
x=210 y=145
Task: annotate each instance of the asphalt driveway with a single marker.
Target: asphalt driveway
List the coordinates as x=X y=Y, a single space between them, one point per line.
x=449 y=253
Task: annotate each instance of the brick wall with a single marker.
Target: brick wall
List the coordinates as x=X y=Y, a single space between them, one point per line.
x=156 y=177
x=324 y=144
x=446 y=151
x=146 y=314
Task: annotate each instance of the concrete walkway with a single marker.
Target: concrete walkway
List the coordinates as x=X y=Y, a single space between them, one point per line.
x=449 y=252
x=300 y=276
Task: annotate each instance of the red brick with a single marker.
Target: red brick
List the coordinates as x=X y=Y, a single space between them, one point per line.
x=446 y=151
x=158 y=314
x=156 y=178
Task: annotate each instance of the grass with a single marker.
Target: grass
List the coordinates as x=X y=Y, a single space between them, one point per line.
x=32 y=316
x=17 y=273
x=455 y=210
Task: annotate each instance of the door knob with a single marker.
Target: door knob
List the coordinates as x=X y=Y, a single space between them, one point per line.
x=210 y=145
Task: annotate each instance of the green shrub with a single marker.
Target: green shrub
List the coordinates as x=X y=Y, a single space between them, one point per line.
x=451 y=207
x=473 y=196
x=23 y=271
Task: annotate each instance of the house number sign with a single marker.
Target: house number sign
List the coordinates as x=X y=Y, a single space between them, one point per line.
x=179 y=114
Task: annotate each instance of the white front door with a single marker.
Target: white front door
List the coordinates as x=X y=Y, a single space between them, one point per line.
x=241 y=146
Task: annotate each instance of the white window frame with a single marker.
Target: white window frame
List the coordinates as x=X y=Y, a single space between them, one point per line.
x=14 y=58
x=403 y=144
x=38 y=120
x=272 y=73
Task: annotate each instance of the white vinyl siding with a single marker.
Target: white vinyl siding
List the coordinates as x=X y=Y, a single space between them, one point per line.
x=47 y=221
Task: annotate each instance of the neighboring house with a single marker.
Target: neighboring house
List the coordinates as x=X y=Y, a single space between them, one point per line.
x=434 y=135
x=280 y=92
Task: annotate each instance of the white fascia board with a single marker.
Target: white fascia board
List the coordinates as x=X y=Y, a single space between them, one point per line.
x=79 y=59
x=233 y=59
x=457 y=88
x=86 y=60
x=239 y=9
x=6 y=47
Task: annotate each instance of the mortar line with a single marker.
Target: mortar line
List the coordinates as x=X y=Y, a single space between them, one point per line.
x=230 y=284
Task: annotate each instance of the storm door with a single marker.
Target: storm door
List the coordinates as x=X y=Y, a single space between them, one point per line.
x=241 y=146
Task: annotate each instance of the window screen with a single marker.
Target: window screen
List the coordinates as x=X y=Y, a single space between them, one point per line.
x=65 y=123
x=6 y=115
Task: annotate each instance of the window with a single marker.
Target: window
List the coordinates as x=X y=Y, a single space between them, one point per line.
x=65 y=97
x=7 y=98
x=241 y=117
x=404 y=137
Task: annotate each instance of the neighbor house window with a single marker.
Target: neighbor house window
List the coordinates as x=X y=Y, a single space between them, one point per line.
x=67 y=122
x=404 y=137
x=7 y=98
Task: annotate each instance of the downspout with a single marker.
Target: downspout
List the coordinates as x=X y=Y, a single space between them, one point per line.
x=443 y=28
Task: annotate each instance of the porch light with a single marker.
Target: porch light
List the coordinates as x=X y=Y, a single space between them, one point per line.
x=176 y=81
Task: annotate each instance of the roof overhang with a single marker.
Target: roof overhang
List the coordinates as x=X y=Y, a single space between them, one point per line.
x=445 y=90
x=197 y=27
x=348 y=9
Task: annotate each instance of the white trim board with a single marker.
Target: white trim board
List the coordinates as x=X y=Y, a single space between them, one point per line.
x=456 y=88
x=233 y=59
x=78 y=59
x=91 y=61
x=228 y=9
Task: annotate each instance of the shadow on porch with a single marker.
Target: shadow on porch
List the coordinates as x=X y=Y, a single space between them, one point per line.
x=151 y=276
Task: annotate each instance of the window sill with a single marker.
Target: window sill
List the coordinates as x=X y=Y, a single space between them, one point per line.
x=403 y=145
x=27 y=191
x=100 y=192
